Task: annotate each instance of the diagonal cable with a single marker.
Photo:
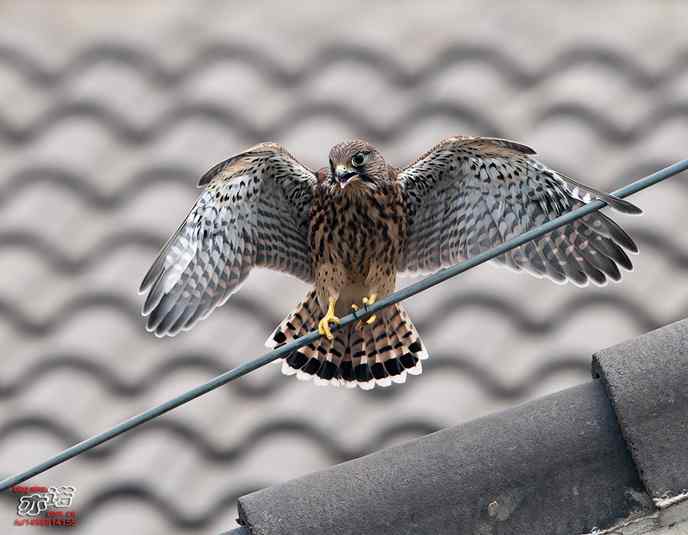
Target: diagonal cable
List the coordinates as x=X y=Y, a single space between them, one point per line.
x=399 y=295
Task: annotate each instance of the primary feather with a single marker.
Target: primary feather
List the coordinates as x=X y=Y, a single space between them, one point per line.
x=253 y=212
x=467 y=195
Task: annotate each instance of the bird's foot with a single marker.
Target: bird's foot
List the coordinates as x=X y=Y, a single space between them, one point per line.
x=324 y=324
x=369 y=301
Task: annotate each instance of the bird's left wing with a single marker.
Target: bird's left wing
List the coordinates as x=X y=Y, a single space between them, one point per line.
x=253 y=212
x=467 y=195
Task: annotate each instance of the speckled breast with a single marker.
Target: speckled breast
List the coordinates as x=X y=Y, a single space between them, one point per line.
x=358 y=228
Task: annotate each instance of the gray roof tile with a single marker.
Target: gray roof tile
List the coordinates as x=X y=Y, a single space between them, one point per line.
x=647 y=382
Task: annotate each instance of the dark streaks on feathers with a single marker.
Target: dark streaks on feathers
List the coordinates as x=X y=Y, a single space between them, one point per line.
x=254 y=211
x=360 y=355
x=490 y=190
x=462 y=197
x=620 y=205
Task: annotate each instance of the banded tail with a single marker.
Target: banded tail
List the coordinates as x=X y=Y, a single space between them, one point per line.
x=359 y=355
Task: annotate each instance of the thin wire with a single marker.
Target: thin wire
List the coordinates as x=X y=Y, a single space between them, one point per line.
x=392 y=298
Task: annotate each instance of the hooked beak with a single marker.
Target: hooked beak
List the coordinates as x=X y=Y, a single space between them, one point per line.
x=344 y=175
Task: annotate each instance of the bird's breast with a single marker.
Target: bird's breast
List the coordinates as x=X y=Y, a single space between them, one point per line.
x=357 y=232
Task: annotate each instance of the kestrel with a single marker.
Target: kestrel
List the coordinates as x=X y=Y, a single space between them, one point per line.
x=350 y=228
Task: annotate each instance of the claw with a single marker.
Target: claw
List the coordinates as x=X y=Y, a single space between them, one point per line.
x=355 y=307
x=369 y=301
x=324 y=324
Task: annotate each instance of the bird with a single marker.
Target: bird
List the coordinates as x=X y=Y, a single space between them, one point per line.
x=351 y=227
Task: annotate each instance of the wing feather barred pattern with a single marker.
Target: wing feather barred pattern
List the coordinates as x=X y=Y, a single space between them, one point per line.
x=467 y=195
x=253 y=212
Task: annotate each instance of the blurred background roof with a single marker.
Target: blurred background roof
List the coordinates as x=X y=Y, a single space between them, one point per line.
x=110 y=112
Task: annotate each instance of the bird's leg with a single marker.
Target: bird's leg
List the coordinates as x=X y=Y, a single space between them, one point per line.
x=324 y=324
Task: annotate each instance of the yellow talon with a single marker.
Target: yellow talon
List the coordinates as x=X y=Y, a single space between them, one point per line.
x=369 y=301
x=324 y=324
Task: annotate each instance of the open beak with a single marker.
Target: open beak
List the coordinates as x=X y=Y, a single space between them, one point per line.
x=344 y=175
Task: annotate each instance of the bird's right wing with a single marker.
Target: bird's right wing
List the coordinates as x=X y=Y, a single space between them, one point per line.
x=253 y=212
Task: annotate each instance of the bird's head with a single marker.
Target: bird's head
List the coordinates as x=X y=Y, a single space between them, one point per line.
x=356 y=164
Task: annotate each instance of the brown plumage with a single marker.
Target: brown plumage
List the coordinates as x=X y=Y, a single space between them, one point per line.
x=349 y=228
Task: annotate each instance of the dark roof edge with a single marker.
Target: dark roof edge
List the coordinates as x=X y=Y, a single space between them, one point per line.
x=537 y=468
x=558 y=464
x=646 y=379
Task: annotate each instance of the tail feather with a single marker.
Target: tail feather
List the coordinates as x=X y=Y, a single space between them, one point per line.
x=396 y=327
x=380 y=339
x=328 y=355
x=394 y=368
x=359 y=355
x=346 y=368
x=362 y=349
x=413 y=349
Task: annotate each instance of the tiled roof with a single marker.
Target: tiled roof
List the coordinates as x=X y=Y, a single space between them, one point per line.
x=110 y=111
x=568 y=463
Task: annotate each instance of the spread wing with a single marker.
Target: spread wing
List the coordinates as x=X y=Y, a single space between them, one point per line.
x=467 y=195
x=253 y=212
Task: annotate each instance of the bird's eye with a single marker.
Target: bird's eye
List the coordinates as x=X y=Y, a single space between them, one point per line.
x=358 y=159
